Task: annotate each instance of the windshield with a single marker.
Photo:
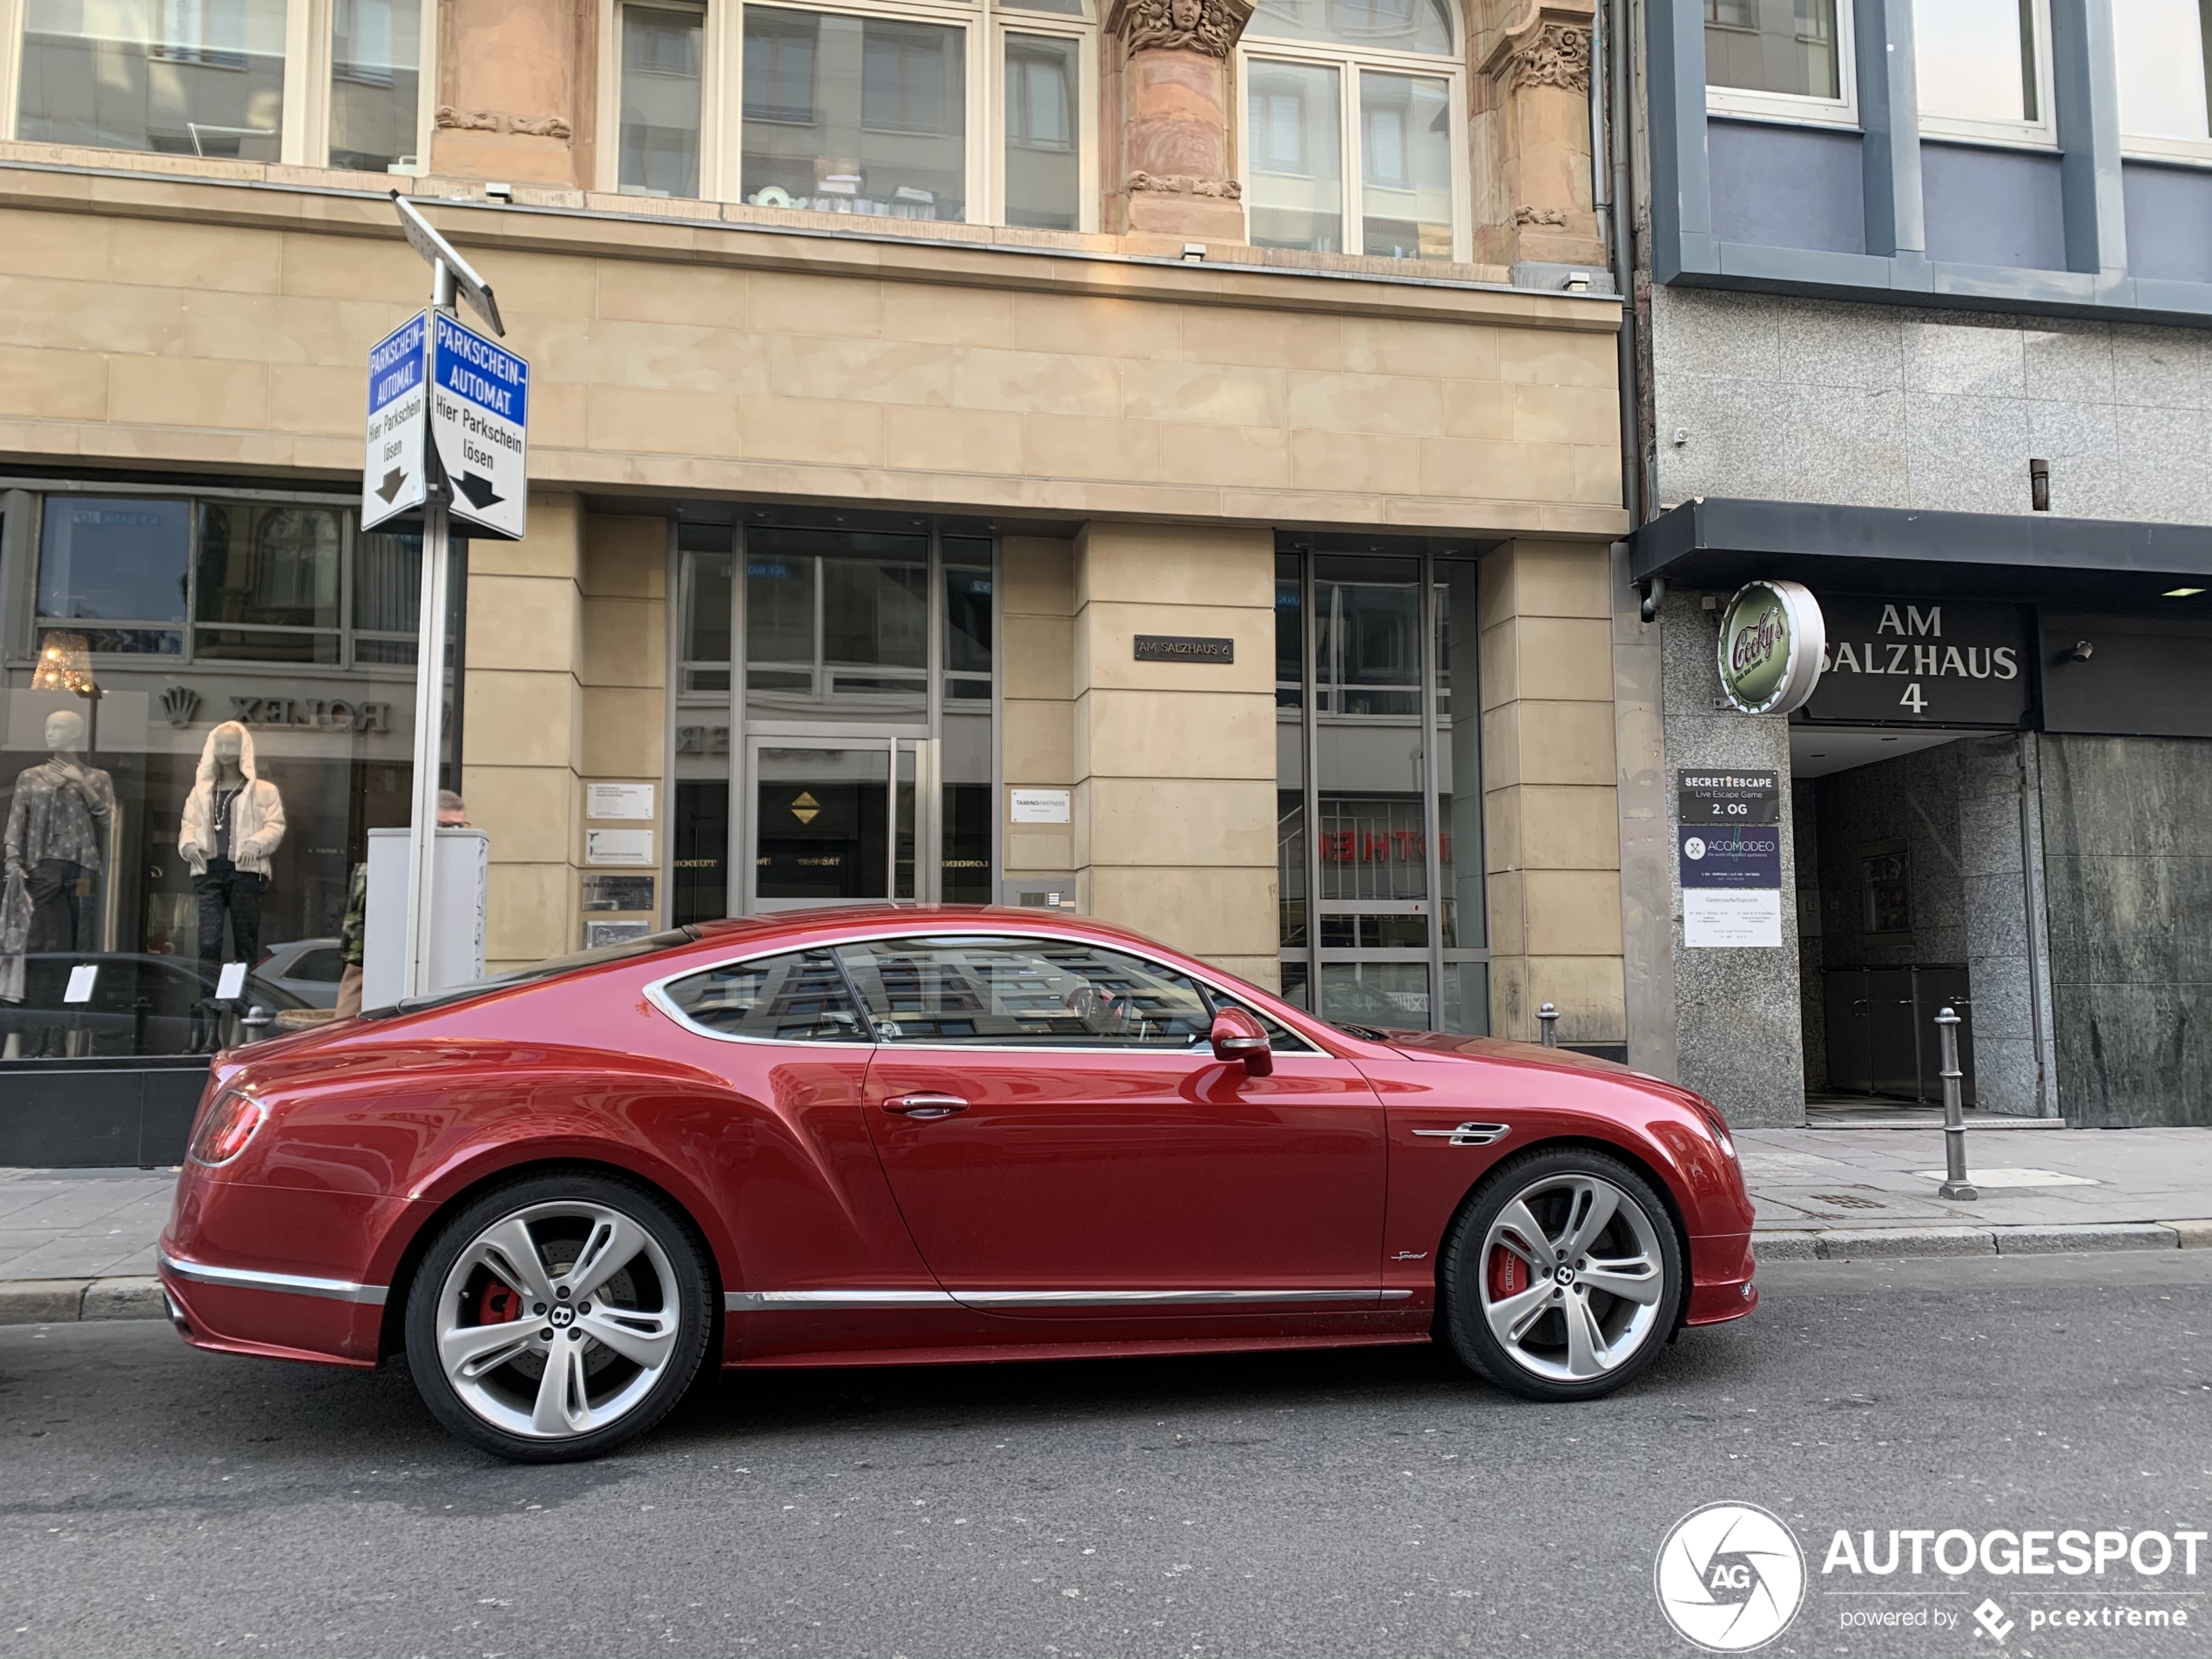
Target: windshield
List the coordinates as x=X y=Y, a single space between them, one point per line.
x=651 y=944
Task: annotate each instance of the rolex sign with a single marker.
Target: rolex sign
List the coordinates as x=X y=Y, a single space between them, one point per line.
x=1771 y=645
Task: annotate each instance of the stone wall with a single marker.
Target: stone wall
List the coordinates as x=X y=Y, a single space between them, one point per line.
x=1880 y=406
x=1551 y=809
x=1175 y=762
x=1738 y=1034
x=192 y=324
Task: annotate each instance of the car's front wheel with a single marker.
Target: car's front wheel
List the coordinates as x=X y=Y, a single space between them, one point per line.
x=1563 y=1276
x=558 y=1317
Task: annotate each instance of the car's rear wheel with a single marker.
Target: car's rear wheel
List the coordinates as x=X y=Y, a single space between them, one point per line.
x=558 y=1317
x=1562 y=1278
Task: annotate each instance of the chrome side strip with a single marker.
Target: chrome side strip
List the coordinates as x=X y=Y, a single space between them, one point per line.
x=242 y=1278
x=1468 y=1134
x=801 y=1301
x=797 y=1301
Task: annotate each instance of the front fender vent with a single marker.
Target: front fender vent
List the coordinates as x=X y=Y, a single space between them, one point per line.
x=1468 y=1134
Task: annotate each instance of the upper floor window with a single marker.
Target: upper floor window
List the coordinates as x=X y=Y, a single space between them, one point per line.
x=1779 y=57
x=222 y=80
x=1983 y=69
x=1353 y=126
x=2165 y=63
x=944 y=110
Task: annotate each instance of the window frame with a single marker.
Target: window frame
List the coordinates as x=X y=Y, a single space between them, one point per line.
x=2148 y=148
x=712 y=23
x=1348 y=61
x=985 y=24
x=2040 y=134
x=309 y=59
x=656 y=993
x=1799 y=109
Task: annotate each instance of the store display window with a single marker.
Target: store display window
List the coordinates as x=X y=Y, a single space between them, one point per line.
x=209 y=707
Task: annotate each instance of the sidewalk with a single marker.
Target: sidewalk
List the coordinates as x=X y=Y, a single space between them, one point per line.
x=1826 y=1194
x=78 y=1243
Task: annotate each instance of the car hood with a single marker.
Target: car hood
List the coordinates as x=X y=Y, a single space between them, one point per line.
x=1448 y=1047
x=1432 y=1045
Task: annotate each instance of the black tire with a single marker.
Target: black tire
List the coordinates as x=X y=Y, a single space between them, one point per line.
x=1480 y=1276
x=500 y=1404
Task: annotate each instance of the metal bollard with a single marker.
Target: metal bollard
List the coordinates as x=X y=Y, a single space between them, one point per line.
x=1955 y=1184
x=256 y=1024
x=1547 y=1023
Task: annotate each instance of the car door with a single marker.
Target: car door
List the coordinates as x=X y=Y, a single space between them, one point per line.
x=1059 y=1136
x=788 y=1153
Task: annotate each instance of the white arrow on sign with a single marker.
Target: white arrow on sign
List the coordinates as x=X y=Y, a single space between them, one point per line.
x=393 y=478
x=479 y=416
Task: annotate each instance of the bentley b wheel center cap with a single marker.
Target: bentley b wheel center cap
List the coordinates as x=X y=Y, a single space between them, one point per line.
x=1563 y=1275
x=562 y=1317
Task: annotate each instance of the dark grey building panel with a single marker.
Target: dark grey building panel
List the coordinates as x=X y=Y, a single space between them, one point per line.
x=1788 y=187
x=2128 y=856
x=2145 y=674
x=1986 y=206
x=2169 y=221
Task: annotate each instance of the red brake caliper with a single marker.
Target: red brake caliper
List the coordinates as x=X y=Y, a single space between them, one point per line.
x=498 y=1304
x=1508 y=1274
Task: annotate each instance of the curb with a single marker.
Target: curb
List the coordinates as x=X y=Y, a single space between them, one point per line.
x=68 y=1301
x=1879 y=1243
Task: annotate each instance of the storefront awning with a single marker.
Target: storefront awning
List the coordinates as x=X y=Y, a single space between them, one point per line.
x=1718 y=543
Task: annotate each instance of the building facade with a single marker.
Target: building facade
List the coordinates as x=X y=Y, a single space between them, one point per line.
x=1160 y=463
x=1924 y=331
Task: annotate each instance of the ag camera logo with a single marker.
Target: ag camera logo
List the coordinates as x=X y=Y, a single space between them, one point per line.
x=1729 y=1577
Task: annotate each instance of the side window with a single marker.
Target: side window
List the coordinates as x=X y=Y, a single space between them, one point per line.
x=1003 y=992
x=799 y=998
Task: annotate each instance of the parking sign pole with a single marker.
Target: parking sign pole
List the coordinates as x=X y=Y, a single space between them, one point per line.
x=429 y=704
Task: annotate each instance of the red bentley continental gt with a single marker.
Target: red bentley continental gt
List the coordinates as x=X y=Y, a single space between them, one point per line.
x=920 y=1135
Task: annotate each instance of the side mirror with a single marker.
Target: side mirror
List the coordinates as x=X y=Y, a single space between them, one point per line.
x=1236 y=1035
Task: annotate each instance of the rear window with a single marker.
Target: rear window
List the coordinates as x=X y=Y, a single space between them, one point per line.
x=651 y=945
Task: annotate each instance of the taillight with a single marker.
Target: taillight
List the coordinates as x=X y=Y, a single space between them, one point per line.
x=225 y=1130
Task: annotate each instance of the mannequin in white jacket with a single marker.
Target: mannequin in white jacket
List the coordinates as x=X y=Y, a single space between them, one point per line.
x=233 y=821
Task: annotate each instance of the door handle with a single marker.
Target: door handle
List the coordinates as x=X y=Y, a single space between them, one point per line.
x=924 y=1105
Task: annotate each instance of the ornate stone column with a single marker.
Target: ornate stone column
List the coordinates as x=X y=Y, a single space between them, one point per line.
x=1531 y=108
x=515 y=91
x=1169 y=104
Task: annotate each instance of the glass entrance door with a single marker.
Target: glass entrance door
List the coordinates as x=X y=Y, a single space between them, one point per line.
x=836 y=712
x=837 y=820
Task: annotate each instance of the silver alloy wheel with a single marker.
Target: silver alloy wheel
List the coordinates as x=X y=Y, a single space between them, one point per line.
x=594 y=1329
x=1573 y=1277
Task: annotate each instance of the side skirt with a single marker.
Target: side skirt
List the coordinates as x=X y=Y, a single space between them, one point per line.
x=994 y=1354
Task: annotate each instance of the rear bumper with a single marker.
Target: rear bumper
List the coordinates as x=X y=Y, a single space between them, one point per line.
x=276 y=1316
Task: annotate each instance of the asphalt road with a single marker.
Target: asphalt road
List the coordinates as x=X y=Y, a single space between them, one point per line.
x=155 y=1500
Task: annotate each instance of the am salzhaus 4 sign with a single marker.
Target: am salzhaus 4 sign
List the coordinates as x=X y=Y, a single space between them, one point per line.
x=1921 y=663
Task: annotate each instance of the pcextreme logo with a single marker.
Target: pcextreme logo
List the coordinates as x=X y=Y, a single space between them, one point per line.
x=1729 y=1577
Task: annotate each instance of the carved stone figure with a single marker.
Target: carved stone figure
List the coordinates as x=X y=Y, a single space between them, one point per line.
x=1209 y=26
